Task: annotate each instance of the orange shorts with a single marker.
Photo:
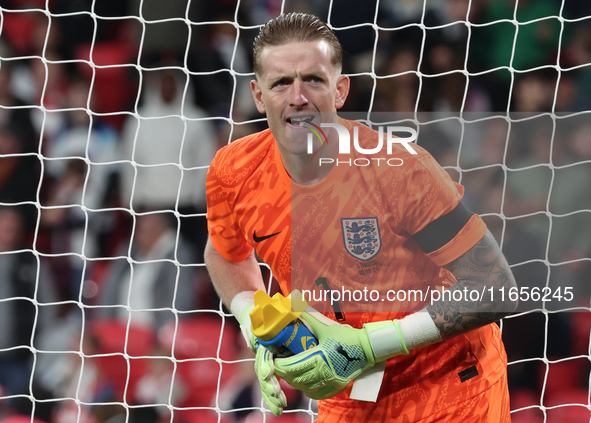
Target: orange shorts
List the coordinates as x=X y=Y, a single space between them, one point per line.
x=490 y=406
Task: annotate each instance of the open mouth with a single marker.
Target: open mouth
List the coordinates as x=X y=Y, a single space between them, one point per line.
x=306 y=121
x=300 y=120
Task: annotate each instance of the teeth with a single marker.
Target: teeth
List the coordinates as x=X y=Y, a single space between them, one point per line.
x=302 y=120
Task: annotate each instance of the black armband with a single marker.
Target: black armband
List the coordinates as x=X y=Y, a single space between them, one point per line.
x=442 y=230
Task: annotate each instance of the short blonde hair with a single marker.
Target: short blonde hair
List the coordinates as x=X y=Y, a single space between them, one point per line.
x=295 y=27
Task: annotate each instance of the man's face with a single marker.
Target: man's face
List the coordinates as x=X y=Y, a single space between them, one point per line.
x=299 y=80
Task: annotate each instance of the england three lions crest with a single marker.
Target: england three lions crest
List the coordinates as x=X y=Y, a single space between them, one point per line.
x=361 y=236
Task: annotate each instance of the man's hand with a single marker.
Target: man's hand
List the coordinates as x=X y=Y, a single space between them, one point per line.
x=272 y=392
x=342 y=354
x=263 y=367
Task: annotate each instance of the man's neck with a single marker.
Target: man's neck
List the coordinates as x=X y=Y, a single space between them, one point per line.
x=306 y=169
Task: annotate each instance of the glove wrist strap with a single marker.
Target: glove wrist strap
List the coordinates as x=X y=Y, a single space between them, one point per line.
x=385 y=339
x=240 y=303
x=418 y=330
x=240 y=307
x=394 y=337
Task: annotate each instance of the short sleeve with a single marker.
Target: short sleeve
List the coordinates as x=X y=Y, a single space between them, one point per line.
x=224 y=231
x=431 y=209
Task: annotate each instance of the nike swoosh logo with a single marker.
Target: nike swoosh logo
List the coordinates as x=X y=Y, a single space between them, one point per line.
x=264 y=237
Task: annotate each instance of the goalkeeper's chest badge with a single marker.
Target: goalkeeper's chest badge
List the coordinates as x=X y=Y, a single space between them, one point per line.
x=361 y=236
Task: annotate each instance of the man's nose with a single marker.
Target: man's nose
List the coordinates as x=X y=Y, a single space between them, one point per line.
x=298 y=95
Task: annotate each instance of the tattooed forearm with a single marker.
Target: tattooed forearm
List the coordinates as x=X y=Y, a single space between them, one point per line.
x=481 y=268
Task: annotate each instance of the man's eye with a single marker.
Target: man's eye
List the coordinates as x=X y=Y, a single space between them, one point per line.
x=316 y=80
x=280 y=83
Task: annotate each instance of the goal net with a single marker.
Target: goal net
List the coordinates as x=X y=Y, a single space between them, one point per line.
x=111 y=112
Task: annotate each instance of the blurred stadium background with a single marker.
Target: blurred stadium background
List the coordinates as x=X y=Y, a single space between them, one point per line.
x=110 y=112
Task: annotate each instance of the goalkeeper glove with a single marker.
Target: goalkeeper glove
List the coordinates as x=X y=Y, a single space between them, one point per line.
x=270 y=389
x=272 y=393
x=342 y=354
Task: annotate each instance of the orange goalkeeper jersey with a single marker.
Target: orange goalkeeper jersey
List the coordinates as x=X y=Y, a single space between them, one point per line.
x=374 y=235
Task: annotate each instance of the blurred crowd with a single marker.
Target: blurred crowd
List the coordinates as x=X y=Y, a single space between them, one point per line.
x=111 y=111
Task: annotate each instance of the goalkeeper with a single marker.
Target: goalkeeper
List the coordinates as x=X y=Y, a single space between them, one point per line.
x=400 y=362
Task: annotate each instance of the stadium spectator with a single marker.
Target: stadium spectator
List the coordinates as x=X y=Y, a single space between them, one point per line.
x=492 y=43
x=571 y=231
x=79 y=173
x=539 y=188
x=171 y=144
x=23 y=285
x=407 y=16
x=13 y=114
x=399 y=93
x=66 y=222
x=19 y=177
x=149 y=289
x=536 y=41
x=577 y=54
x=216 y=48
x=62 y=375
x=154 y=387
x=534 y=92
x=46 y=85
x=19 y=174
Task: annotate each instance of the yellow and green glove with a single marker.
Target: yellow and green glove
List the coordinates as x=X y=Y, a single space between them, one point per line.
x=264 y=367
x=342 y=354
x=270 y=389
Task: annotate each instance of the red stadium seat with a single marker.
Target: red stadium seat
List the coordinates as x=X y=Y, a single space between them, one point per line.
x=197 y=416
x=18 y=29
x=522 y=398
x=112 y=89
x=564 y=375
x=29 y=4
x=570 y=414
x=580 y=330
x=111 y=336
x=197 y=345
x=20 y=419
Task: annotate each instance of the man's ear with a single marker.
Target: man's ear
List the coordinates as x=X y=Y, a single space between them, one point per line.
x=257 y=94
x=343 y=84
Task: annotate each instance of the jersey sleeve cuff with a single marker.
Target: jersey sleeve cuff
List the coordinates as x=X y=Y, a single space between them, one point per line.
x=470 y=234
x=235 y=255
x=234 y=258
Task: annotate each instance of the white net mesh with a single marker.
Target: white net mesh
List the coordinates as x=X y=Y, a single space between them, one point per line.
x=110 y=113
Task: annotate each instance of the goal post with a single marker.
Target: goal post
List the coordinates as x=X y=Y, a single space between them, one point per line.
x=110 y=115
